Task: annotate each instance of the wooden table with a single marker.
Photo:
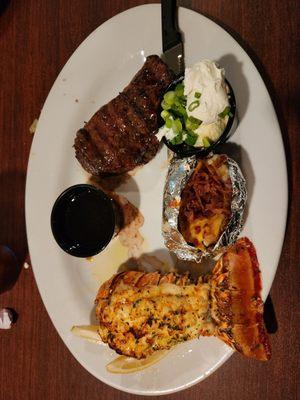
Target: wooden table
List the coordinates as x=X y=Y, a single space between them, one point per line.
x=36 y=39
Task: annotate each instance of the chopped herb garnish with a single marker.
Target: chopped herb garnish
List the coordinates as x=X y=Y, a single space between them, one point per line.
x=175 y=115
x=169 y=97
x=177 y=126
x=195 y=120
x=165 y=105
x=169 y=121
x=136 y=303
x=179 y=111
x=206 y=142
x=192 y=123
x=164 y=114
x=194 y=104
x=225 y=112
x=191 y=138
x=177 y=139
x=179 y=90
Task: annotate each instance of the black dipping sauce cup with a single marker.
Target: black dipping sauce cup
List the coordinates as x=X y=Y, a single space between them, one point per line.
x=83 y=220
x=184 y=150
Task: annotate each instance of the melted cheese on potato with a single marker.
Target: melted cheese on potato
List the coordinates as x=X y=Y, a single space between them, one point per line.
x=205 y=231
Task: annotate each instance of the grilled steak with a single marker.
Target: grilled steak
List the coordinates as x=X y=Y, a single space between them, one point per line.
x=121 y=135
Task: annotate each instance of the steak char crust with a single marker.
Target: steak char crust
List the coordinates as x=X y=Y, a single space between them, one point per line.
x=121 y=134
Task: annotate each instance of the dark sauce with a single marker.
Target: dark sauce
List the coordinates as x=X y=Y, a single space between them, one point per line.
x=83 y=220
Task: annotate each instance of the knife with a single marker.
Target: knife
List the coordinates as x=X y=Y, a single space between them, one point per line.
x=171 y=37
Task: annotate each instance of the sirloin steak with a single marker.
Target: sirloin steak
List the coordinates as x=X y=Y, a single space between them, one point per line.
x=121 y=134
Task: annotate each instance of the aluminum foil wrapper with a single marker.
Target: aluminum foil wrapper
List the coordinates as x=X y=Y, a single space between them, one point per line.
x=178 y=174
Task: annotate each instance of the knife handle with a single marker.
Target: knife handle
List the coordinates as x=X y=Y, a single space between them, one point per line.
x=171 y=35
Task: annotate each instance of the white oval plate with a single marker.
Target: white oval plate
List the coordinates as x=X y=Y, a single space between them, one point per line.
x=102 y=65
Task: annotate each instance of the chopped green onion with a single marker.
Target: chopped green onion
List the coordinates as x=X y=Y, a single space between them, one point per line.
x=191 y=138
x=172 y=114
x=169 y=122
x=194 y=104
x=206 y=142
x=169 y=97
x=225 y=112
x=182 y=101
x=195 y=120
x=177 y=139
x=175 y=115
x=179 y=111
x=192 y=123
x=165 y=105
x=230 y=114
x=164 y=114
x=177 y=126
x=177 y=102
x=179 y=90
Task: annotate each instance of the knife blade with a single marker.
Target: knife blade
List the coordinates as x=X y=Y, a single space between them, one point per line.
x=171 y=37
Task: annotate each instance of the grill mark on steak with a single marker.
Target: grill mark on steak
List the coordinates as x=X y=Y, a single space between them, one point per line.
x=143 y=106
x=118 y=111
x=135 y=116
x=121 y=134
x=103 y=143
x=147 y=104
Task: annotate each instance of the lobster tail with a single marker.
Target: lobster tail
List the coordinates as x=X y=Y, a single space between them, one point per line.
x=142 y=312
x=237 y=307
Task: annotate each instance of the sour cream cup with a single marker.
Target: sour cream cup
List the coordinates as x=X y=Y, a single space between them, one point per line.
x=185 y=150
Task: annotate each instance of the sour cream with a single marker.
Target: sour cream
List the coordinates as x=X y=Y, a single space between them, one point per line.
x=167 y=132
x=207 y=79
x=207 y=103
x=211 y=131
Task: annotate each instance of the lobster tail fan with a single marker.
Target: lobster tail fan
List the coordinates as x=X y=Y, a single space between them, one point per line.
x=237 y=307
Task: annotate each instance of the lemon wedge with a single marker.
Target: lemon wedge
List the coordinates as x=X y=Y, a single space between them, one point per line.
x=87 y=332
x=122 y=364
x=127 y=365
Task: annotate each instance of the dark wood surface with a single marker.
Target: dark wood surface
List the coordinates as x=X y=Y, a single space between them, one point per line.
x=36 y=39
